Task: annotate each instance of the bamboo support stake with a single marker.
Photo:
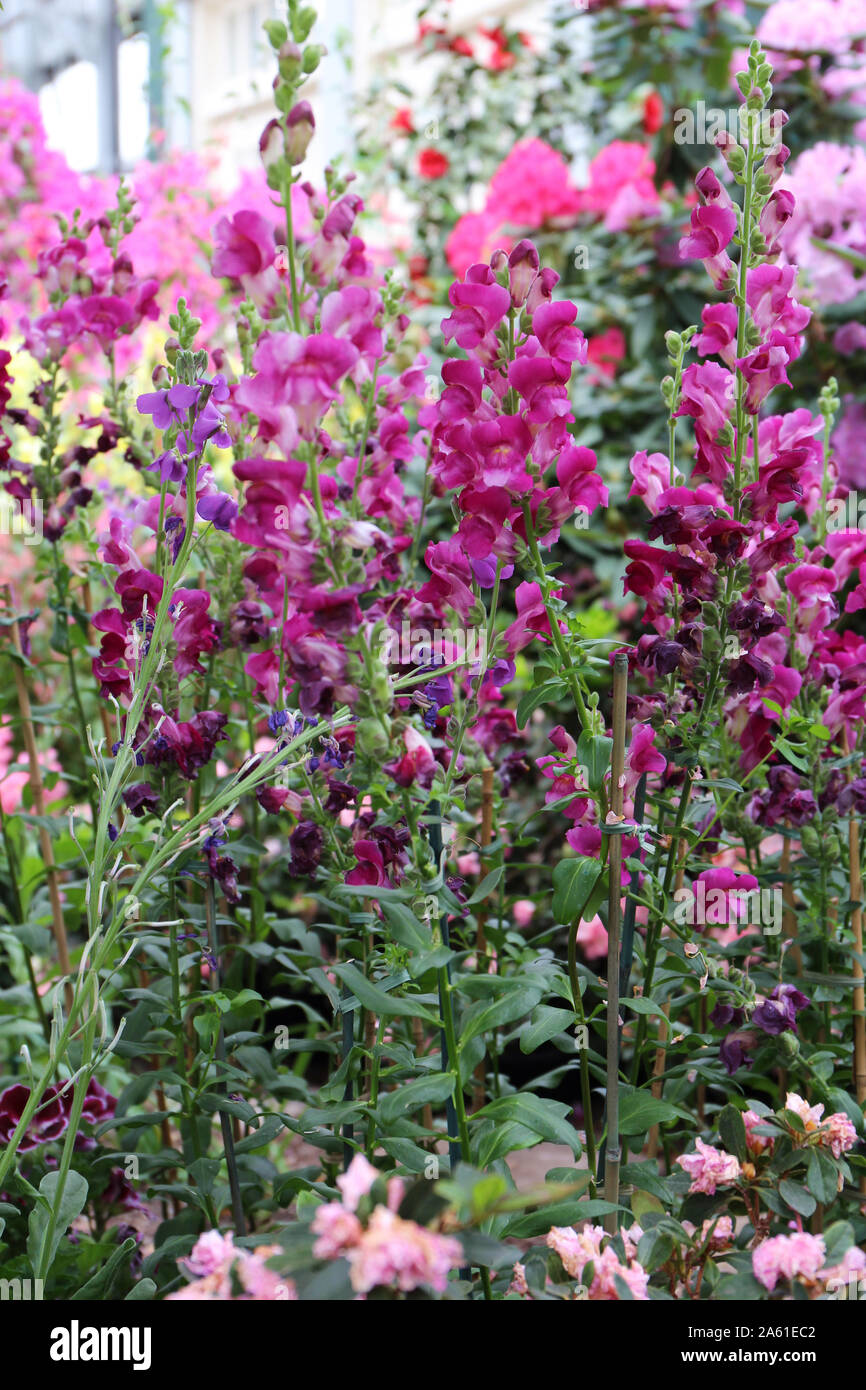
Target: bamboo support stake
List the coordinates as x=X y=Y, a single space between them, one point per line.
x=657 y=1083
x=659 y=1060
x=478 y=1094
x=789 y=916
x=37 y=787
x=612 y=1151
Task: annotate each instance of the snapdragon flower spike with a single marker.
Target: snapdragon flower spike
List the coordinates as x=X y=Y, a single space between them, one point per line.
x=777 y=639
x=500 y=424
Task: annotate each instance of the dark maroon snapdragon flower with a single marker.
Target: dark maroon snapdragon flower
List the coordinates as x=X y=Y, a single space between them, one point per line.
x=140 y=799
x=306 y=843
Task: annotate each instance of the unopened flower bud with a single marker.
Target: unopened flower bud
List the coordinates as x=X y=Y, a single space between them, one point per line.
x=300 y=125
x=277 y=33
x=313 y=55
x=271 y=143
x=522 y=269
x=290 y=60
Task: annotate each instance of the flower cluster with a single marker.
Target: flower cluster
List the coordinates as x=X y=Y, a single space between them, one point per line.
x=709 y=1168
x=381 y=1247
x=590 y=1247
x=222 y=1271
x=532 y=189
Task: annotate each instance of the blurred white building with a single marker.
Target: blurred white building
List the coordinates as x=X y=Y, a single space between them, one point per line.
x=232 y=69
x=110 y=72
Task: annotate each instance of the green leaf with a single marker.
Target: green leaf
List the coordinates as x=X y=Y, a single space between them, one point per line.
x=654 y=1248
x=42 y=1247
x=822 y=1177
x=544 y=1117
x=376 y=999
x=519 y=1000
x=423 y=1090
x=539 y=695
x=795 y=755
x=739 y=1288
x=405 y=927
x=593 y=753
x=142 y=1292
x=547 y=1022
x=481 y=1249
x=269 y=1128
x=838 y=1238
x=639 y=1112
x=732 y=1132
x=566 y=1213
x=642 y=1006
x=797 y=1197
x=101 y=1281
x=643 y=1202
x=573 y=882
x=486 y=886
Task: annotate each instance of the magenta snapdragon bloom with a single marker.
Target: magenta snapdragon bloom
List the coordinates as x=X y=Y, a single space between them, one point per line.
x=768 y=295
x=719 y=338
x=195 y=633
x=652 y=476
x=765 y=367
x=708 y=396
x=106 y=317
x=712 y=227
x=531 y=618
x=450 y=585
x=708 y=392
x=642 y=756
x=554 y=327
x=371 y=866
x=775 y=216
x=295 y=384
x=352 y=313
x=479 y=306
x=245 y=251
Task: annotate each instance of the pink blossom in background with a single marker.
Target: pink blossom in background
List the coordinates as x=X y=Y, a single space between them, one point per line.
x=828 y=182
x=592 y=938
x=786 y=1257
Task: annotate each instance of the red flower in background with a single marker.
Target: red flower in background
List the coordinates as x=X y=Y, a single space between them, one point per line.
x=653 y=113
x=402 y=121
x=432 y=164
x=605 y=351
